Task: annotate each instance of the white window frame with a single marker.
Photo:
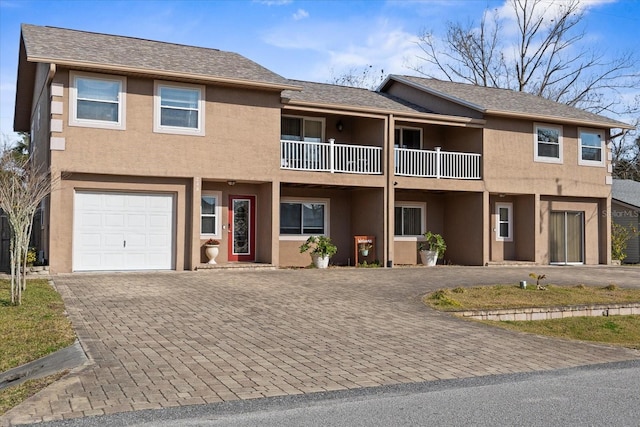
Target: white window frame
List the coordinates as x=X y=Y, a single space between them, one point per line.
x=102 y=124
x=159 y=128
x=423 y=221
x=546 y=159
x=509 y=207
x=399 y=144
x=217 y=214
x=322 y=121
x=603 y=151
x=318 y=201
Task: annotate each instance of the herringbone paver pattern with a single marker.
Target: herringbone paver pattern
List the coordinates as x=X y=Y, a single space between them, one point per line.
x=158 y=340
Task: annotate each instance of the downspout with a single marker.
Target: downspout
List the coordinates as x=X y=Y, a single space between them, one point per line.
x=389 y=190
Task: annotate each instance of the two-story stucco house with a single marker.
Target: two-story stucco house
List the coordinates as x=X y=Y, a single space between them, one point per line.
x=159 y=147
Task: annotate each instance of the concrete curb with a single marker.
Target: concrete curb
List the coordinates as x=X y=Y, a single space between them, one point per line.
x=66 y=358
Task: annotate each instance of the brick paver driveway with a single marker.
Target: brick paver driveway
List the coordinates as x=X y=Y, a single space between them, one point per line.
x=167 y=339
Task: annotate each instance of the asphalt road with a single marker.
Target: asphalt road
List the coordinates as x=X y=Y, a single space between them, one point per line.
x=606 y=394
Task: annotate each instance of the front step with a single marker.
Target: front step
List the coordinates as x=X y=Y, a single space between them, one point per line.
x=237 y=266
x=509 y=263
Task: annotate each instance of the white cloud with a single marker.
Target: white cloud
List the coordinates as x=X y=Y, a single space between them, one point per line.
x=273 y=2
x=331 y=49
x=300 y=14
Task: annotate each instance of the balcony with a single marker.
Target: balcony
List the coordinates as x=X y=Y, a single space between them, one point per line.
x=437 y=164
x=330 y=157
x=363 y=159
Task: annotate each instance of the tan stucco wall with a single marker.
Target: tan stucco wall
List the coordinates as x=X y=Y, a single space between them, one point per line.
x=593 y=220
x=464 y=228
x=344 y=205
x=509 y=166
x=522 y=248
x=237 y=121
x=242 y=143
x=405 y=249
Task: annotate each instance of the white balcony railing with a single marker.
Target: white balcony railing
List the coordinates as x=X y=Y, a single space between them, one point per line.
x=437 y=164
x=330 y=157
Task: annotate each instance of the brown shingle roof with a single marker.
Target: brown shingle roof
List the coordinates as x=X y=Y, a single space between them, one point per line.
x=349 y=97
x=505 y=101
x=59 y=45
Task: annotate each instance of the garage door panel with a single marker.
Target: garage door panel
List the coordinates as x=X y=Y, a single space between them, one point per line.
x=137 y=240
x=90 y=219
x=159 y=221
x=113 y=220
x=103 y=222
x=158 y=240
x=112 y=241
x=136 y=221
x=115 y=202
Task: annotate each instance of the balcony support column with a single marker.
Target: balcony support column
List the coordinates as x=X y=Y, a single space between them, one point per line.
x=332 y=155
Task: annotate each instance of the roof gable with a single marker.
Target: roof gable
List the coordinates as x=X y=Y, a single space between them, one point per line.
x=348 y=97
x=495 y=101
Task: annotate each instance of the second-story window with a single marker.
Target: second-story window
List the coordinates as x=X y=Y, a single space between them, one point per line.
x=547 y=143
x=179 y=108
x=591 y=147
x=408 y=137
x=97 y=100
x=301 y=129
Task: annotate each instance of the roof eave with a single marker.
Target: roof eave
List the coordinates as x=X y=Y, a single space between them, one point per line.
x=613 y=124
x=292 y=104
x=24 y=91
x=165 y=73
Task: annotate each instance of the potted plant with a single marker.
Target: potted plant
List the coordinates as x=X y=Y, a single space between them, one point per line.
x=432 y=248
x=321 y=249
x=211 y=250
x=364 y=248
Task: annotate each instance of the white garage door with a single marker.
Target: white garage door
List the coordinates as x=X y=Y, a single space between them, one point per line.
x=122 y=231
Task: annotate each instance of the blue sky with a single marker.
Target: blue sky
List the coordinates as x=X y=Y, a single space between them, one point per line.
x=308 y=40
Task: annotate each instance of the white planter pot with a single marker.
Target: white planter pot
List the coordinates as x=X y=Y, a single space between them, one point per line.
x=211 y=251
x=429 y=258
x=364 y=252
x=320 y=261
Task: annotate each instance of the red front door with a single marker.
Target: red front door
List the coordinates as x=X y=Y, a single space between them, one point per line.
x=242 y=228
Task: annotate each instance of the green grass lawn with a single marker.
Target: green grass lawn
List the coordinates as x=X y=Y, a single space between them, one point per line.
x=36 y=328
x=615 y=330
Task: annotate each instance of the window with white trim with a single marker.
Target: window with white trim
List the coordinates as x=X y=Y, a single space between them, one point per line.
x=309 y=129
x=547 y=140
x=591 y=145
x=178 y=108
x=409 y=219
x=304 y=217
x=97 y=100
x=407 y=137
x=210 y=211
x=504 y=222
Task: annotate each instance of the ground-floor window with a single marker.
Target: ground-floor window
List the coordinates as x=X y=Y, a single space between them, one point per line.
x=410 y=218
x=504 y=222
x=210 y=214
x=304 y=217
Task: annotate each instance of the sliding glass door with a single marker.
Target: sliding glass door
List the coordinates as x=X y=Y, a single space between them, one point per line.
x=566 y=240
